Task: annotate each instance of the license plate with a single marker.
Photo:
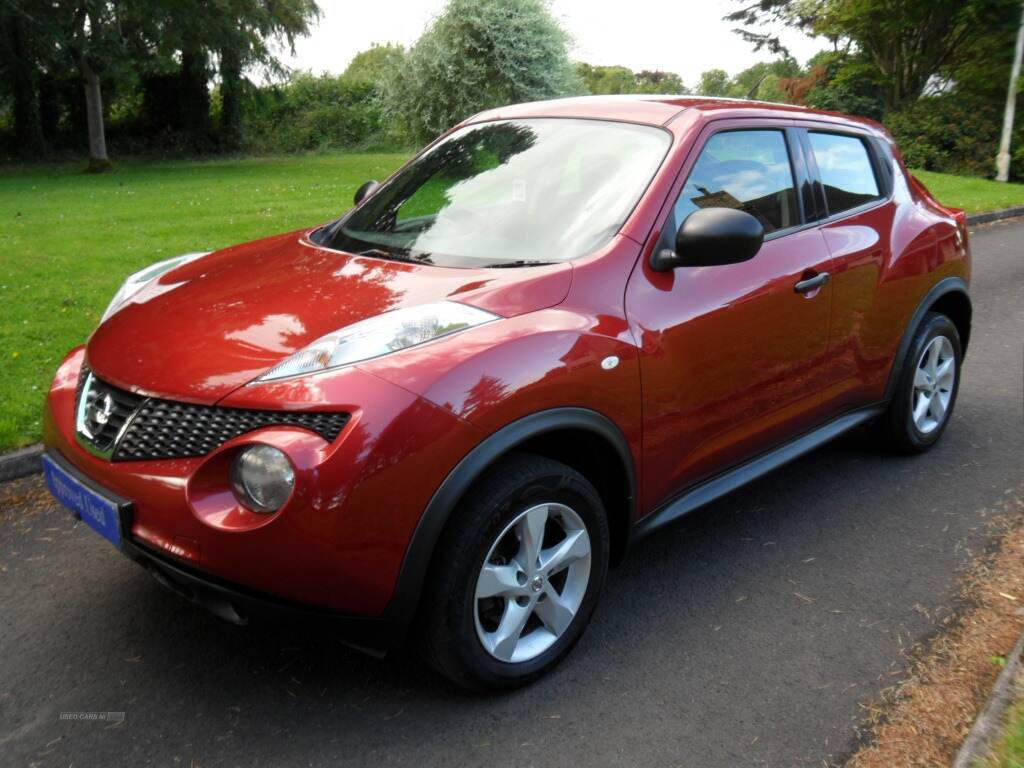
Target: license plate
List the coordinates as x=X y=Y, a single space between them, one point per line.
x=99 y=511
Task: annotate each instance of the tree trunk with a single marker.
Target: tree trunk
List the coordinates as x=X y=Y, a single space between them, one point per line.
x=1003 y=158
x=231 y=99
x=195 y=99
x=98 y=160
x=28 y=131
x=161 y=103
x=49 y=109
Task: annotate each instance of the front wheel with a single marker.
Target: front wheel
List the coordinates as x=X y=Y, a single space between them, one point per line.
x=926 y=389
x=517 y=575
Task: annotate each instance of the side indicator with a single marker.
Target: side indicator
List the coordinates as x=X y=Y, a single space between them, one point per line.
x=609 y=362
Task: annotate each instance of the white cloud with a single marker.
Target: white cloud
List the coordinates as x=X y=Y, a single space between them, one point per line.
x=683 y=36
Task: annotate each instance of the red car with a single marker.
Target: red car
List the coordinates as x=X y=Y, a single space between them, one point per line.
x=558 y=328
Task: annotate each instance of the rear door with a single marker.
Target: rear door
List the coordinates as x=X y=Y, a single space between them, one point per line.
x=733 y=358
x=853 y=188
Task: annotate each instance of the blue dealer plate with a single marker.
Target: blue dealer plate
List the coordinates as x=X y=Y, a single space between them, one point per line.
x=99 y=512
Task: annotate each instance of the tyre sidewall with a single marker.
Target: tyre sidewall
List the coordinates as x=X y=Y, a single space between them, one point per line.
x=563 y=488
x=935 y=325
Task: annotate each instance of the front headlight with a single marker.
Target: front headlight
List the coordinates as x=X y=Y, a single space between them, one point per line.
x=262 y=478
x=376 y=336
x=134 y=283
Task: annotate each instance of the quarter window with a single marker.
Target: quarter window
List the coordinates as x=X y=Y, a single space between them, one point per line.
x=845 y=168
x=746 y=170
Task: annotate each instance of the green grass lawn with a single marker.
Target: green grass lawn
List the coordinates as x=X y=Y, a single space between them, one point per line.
x=1009 y=750
x=974 y=195
x=68 y=239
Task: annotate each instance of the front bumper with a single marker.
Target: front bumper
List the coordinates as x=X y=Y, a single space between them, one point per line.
x=337 y=547
x=237 y=604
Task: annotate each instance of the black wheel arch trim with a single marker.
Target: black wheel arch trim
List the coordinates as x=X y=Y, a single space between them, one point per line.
x=942 y=288
x=404 y=602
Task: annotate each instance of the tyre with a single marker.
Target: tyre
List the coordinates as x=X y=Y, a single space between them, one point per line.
x=516 y=575
x=926 y=389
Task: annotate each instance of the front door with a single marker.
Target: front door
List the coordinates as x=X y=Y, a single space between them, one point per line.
x=733 y=358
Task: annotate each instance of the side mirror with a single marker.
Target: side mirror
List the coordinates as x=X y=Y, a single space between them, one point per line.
x=366 y=190
x=710 y=237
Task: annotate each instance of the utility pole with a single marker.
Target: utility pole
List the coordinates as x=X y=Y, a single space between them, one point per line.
x=1003 y=158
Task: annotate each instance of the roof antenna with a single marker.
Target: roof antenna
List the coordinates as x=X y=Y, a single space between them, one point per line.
x=752 y=95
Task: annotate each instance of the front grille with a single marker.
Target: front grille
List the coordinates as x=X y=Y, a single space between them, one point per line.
x=163 y=429
x=102 y=411
x=139 y=428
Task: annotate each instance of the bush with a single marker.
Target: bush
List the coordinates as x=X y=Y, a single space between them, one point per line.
x=843 y=83
x=951 y=133
x=313 y=113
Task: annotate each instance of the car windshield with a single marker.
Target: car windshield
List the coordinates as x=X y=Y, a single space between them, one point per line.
x=511 y=193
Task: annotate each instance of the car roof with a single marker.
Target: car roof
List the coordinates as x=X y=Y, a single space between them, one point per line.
x=653 y=109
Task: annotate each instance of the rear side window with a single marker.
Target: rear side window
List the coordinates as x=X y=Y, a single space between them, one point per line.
x=747 y=170
x=846 y=171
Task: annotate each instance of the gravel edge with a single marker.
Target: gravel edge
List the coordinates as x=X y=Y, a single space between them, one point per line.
x=985 y=218
x=20 y=463
x=989 y=723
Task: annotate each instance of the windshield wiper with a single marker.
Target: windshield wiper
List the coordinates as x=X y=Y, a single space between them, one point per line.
x=380 y=253
x=519 y=263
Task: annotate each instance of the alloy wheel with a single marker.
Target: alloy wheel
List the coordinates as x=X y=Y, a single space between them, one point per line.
x=934 y=380
x=532 y=582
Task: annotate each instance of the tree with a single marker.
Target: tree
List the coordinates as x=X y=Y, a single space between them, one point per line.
x=372 y=65
x=43 y=47
x=762 y=80
x=241 y=40
x=840 y=82
x=61 y=60
x=909 y=41
x=94 y=39
x=475 y=55
x=656 y=81
x=18 y=54
x=714 y=82
x=198 y=38
x=606 y=79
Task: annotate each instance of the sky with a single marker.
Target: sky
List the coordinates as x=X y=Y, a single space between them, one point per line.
x=682 y=36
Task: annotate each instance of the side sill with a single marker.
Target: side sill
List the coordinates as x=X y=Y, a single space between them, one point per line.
x=761 y=465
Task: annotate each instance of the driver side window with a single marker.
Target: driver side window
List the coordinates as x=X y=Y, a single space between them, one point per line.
x=747 y=170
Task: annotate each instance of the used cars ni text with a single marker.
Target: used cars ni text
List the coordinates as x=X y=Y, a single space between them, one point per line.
x=440 y=418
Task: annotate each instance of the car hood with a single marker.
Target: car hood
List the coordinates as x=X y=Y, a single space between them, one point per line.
x=208 y=327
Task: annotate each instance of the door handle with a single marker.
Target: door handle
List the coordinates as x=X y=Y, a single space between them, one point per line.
x=812 y=283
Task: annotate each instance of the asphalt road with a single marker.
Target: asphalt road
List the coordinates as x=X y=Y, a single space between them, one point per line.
x=751 y=634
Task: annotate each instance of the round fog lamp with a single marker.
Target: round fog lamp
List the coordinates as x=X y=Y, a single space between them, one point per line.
x=262 y=478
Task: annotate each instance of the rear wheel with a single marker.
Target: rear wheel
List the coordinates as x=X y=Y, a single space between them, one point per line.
x=926 y=389
x=517 y=575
